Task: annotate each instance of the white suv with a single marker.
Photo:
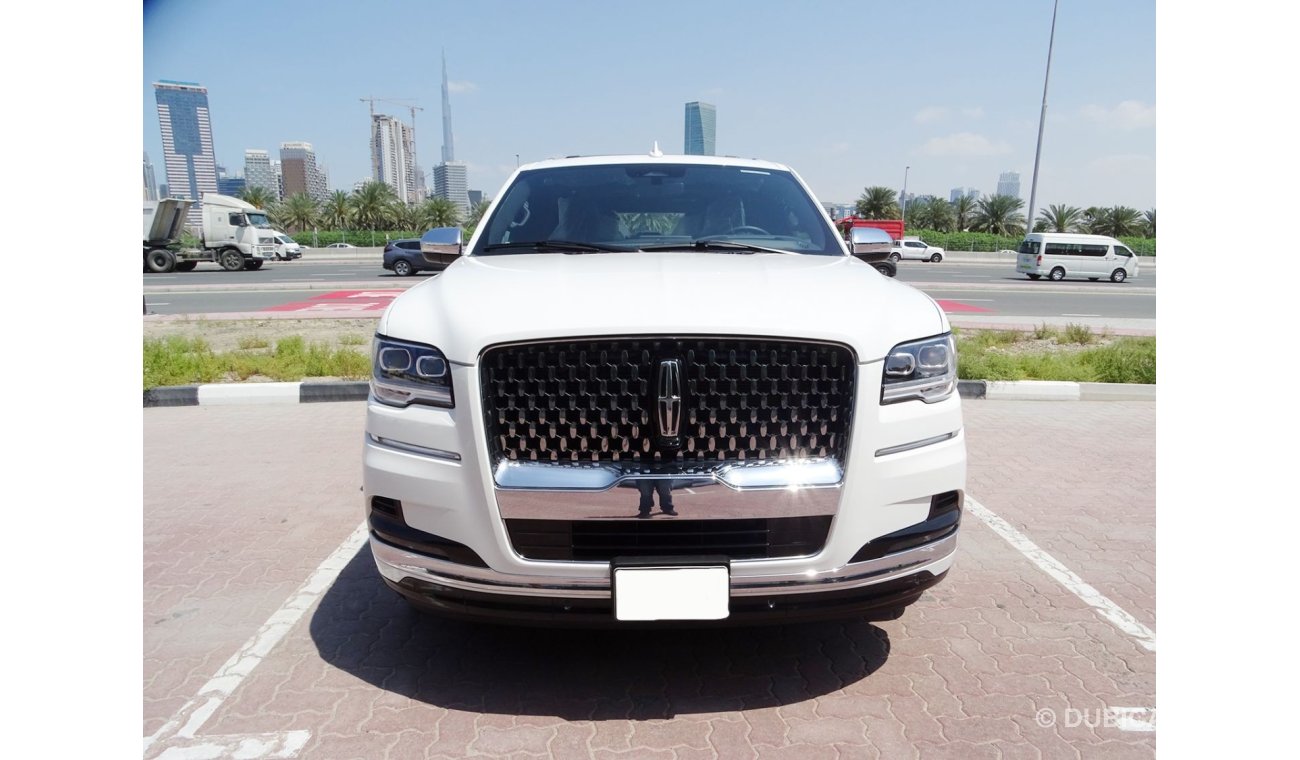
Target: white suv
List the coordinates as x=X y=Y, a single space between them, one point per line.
x=659 y=388
x=916 y=249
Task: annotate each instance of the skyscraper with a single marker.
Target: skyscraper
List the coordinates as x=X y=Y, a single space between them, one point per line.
x=150 y=185
x=448 y=144
x=701 y=129
x=186 y=130
x=451 y=177
x=258 y=172
x=301 y=175
x=392 y=157
x=451 y=181
x=1009 y=184
x=958 y=192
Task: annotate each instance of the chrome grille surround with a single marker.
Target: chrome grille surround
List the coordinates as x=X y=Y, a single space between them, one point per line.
x=593 y=401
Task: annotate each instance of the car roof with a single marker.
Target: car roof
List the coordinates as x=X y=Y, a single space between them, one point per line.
x=749 y=163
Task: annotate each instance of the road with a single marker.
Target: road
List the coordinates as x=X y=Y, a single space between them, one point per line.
x=968 y=291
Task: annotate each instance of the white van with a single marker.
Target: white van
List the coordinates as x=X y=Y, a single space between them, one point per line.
x=1057 y=255
x=287 y=249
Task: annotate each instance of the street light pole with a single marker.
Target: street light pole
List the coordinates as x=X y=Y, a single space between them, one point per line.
x=903 y=201
x=1042 y=118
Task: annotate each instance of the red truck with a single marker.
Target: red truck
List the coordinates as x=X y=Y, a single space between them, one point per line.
x=893 y=226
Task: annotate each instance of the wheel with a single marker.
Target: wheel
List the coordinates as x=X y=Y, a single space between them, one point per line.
x=886 y=268
x=186 y=266
x=894 y=257
x=231 y=260
x=1057 y=274
x=1119 y=275
x=1093 y=279
x=402 y=268
x=160 y=260
x=252 y=264
x=747 y=230
x=1033 y=276
x=935 y=259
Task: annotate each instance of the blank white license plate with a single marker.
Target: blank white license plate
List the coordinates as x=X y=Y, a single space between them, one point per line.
x=671 y=593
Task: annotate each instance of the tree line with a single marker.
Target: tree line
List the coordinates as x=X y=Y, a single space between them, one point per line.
x=373 y=206
x=1003 y=215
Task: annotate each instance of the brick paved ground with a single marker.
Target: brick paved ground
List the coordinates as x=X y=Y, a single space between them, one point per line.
x=962 y=674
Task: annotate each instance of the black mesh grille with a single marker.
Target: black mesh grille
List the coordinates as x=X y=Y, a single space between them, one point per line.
x=602 y=540
x=594 y=400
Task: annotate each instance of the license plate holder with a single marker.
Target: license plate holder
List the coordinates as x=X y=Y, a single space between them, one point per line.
x=671 y=588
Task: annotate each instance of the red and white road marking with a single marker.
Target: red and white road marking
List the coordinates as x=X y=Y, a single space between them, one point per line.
x=343 y=300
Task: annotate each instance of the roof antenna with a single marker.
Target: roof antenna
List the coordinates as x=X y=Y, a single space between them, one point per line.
x=655 y=150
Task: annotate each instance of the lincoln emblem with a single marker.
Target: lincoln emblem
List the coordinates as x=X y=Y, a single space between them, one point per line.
x=670 y=397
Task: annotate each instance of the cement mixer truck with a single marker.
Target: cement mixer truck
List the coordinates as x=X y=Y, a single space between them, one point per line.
x=234 y=234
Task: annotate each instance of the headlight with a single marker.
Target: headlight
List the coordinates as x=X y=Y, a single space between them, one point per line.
x=924 y=369
x=409 y=373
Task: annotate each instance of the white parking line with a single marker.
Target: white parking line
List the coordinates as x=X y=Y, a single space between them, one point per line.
x=194 y=713
x=1063 y=575
x=1081 y=315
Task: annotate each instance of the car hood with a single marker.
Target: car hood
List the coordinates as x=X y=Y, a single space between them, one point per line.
x=484 y=300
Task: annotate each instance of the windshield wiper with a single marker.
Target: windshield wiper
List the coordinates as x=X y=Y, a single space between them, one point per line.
x=717 y=244
x=567 y=246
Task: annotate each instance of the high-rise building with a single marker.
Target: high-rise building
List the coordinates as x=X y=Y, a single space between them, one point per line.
x=186 y=128
x=392 y=157
x=150 y=185
x=451 y=177
x=1009 y=184
x=475 y=197
x=163 y=190
x=958 y=192
x=278 y=170
x=258 y=172
x=301 y=175
x=451 y=181
x=701 y=129
x=448 y=144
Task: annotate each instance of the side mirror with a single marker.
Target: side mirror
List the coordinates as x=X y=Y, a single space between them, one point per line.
x=870 y=244
x=441 y=245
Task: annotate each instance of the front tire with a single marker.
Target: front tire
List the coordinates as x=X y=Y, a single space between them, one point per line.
x=402 y=268
x=231 y=260
x=1057 y=274
x=1119 y=275
x=160 y=260
x=935 y=259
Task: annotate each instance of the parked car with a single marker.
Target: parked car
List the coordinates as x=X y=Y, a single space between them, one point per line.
x=1059 y=255
x=287 y=248
x=659 y=388
x=917 y=250
x=340 y=245
x=403 y=257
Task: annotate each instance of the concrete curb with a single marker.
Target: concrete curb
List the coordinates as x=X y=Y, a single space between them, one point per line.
x=308 y=392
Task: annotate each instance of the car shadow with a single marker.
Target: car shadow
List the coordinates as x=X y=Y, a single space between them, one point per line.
x=364 y=628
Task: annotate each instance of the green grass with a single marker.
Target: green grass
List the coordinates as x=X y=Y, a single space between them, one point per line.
x=253 y=341
x=184 y=361
x=1124 y=360
x=353 y=339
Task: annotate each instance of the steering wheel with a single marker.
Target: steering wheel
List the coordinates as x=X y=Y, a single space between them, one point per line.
x=746 y=229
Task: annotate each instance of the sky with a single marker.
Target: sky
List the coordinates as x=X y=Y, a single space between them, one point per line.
x=848 y=94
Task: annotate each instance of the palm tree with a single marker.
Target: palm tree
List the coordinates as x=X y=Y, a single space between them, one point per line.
x=932 y=214
x=438 y=212
x=336 y=213
x=878 y=203
x=299 y=212
x=964 y=211
x=407 y=216
x=257 y=196
x=1000 y=215
x=1059 y=218
x=1149 y=223
x=1118 y=221
x=1094 y=220
x=476 y=214
x=372 y=205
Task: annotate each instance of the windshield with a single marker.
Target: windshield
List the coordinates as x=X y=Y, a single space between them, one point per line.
x=258 y=219
x=644 y=206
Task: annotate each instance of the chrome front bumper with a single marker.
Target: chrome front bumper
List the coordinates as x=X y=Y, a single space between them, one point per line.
x=398 y=565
